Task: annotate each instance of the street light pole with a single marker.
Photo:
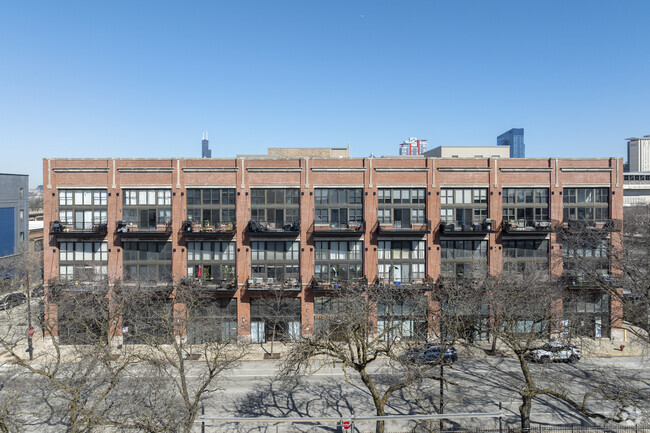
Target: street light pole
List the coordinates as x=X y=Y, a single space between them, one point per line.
x=442 y=392
x=30 y=347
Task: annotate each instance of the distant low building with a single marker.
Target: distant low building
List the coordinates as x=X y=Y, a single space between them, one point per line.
x=413 y=146
x=636 y=188
x=304 y=152
x=469 y=152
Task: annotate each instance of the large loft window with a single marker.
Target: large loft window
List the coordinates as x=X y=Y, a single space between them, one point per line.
x=147 y=261
x=211 y=262
x=338 y=261
x=401 y=261
x=586 y=204
x=525 y=255
x=338 y=207
x=463 y=206
x=212 y=320
x=275 y=319
x=84 y=209
x=275 y=262
x=275 y=208
x=83 y=261
x=147 y=209
x=402 y=319
x=586 y=314
x=401 y=207
x=211 y=208
x=586 y=260
x=463 y=258
x=525 y=206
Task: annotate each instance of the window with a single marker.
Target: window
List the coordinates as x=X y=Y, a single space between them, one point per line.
x=528 y=255
x=402 y=319
x=22 y=193
x=463 y=206
x=338 y=207
x=84 y=210
x=21 y=214
x=147 y=209
x=401 y=261
x=525 y=206
x=401 y=207
x=586 y=204
x=463 y=258
x=212 y=262
x=586 y=259
x=338 y=260
x=147 y=261
x=275 y=317
x=275 y=208
x=275 y=262
x=212 y=320
x=83 y=261
x=212 y=208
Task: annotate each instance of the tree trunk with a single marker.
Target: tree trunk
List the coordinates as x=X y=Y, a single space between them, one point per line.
x=376 y=398
x=524 y=411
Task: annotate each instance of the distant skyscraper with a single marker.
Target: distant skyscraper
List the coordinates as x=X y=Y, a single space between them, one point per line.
x=515 y=139
x=413 y=146
x=206 y=152
x=638 y=153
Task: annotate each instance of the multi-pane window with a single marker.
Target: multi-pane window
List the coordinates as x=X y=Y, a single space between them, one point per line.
x=463 y=258
x=275 y=318
x=587 y=314
x=212 y=320
x=401 y=207
x=275 y=261
x=147 y=261
x=84 y=209
x=586 y=259
x=211 y=207
x=275 y=207
x=338 y=207
x=525 y=255
x=211 y=261
x=147 y=209
x=463 y=206
x=338 y=260
x=525 y=205
x=402 y=319
x=83 y=261
x=401 y=261
x=590 y=204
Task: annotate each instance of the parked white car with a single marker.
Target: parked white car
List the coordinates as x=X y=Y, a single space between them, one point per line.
x=555 y=351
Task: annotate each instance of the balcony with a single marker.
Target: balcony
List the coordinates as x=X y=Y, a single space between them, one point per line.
x=332 y=286
x=190 y=229
x=413 y=284
x=210 y=285
x=581 y=226
x=60 y=229
x=271 y=284
x=341 y=229
x=526 y=227
x=255 y=228
x=133 y=230
x=391 y=229
x=483 y=228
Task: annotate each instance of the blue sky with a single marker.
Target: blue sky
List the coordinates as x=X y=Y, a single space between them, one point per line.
x=146 y=78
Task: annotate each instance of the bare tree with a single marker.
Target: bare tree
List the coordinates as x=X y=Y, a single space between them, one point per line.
x=356 y=328
x=183 y=349
x=275 y=317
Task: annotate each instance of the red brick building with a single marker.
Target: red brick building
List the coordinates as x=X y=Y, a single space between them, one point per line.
x=243 y=225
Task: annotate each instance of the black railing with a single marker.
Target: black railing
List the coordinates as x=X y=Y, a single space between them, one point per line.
x=63 y=229
x=125 y=228
x=582 y=225
x=210 y=284
x=526 y=226
x=289 y=284
x=320 y=284
x=406 y=229
x=348 y=228
x=194 y=229
x=486 y=226
x=255 y=227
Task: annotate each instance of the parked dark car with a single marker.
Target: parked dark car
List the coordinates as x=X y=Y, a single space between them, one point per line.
x=432 y=354
x=12 y=300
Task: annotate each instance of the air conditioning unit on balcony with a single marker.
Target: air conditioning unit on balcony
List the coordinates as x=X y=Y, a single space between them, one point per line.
x=543 y=225
x=270 y=281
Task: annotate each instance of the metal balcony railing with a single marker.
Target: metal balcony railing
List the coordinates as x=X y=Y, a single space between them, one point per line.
x=484 y=227
x=255 y=227
x=404 y=229
x=124 y=228
x=195 y=229
x=263 y=284
x=350 y=228
x=526 y=226
x=58 y=228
